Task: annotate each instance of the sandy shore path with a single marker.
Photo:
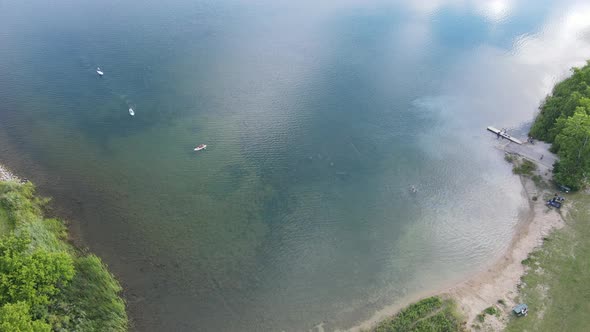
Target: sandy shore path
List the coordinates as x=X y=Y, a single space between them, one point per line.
x=501 y=281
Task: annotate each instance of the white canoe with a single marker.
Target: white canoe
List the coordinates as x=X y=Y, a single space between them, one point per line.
x=201 y=147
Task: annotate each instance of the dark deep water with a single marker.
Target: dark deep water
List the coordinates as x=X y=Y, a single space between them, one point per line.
x=318 y=115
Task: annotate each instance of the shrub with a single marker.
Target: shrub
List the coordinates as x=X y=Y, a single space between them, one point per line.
x=525 y=168
x=31 y=277
x=490 y=311
x=430 y=314
x=16 y=317
x=45 y=284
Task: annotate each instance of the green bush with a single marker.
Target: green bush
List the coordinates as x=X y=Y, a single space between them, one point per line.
x=537 y=179
x=525 y=168
x=15 y=317
x=45 y=284
x=31 y=277
x=430 y=314
x=490 y=311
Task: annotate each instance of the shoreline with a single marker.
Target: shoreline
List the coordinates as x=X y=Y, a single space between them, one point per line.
x=7 y=175
x=84 y=295
x=499 y=280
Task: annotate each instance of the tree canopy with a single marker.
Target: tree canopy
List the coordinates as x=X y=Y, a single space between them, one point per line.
x=45 y=283
x=574 y=149
x=564 y=121
x=15 y=317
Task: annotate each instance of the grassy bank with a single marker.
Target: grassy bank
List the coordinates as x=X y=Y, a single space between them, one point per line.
x=556 y=286
x=430 y=314
x=45 y=283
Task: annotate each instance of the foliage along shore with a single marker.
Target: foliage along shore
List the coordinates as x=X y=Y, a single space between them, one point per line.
x=429 y=314
x=564 y=121
x=557 y=282
x=45 y=283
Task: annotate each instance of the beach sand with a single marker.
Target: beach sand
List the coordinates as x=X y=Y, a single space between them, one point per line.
x=500 y=281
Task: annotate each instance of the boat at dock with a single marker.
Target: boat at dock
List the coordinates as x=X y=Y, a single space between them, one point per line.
x=201 y=147
x=502 y=133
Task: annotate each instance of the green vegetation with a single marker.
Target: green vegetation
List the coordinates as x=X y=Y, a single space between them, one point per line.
x=45 y=284
x=492 y=311
x=481 y=318
x=430 y=314
x=526 y=167
x=564 y=120
x=538 y=180
x=556 y=286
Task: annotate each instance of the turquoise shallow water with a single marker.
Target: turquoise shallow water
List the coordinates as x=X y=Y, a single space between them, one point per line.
x=318 y=117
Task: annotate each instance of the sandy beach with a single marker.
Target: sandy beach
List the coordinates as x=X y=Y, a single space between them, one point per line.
x=500 y=281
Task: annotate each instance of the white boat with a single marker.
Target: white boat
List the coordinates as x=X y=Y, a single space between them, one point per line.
x=99 y=72
x=201 y=147
x=131 y=112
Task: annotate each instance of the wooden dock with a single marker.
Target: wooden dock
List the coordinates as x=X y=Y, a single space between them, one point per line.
x=504 y=135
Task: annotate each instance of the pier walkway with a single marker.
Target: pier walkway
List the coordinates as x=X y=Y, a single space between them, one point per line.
x=503 y=134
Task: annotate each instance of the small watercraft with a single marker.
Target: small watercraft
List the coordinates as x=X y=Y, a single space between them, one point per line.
x=99 y=72
x=131 y=112
x=201 y=147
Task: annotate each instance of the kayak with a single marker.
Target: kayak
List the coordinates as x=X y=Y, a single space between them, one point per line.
x=201 y=147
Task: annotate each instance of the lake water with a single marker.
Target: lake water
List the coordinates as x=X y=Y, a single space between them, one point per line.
x=318 y=115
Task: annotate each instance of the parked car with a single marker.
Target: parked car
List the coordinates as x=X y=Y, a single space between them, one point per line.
x=521 y=310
